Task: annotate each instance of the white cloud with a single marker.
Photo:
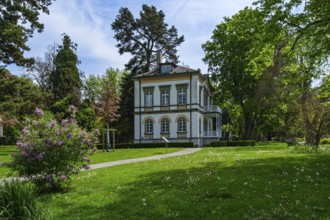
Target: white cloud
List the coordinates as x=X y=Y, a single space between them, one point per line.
x=88 y=23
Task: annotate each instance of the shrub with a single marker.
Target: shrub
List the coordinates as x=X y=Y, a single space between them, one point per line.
x=233 y=143
x=151 y=145
x=325 y=141
x=49 y=152
x=18 y=201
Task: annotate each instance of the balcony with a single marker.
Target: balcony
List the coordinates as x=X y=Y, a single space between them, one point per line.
x=212 y=108
x=216 y=134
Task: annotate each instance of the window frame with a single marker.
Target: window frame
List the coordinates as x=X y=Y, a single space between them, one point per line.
x=149 y=125
x=165 y=125
x=182 y=125
x=148 y=92
x=182 y=94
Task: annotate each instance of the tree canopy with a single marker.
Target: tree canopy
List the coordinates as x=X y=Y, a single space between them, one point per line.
x=143 y=37
x=65 y=79
x=18 y=21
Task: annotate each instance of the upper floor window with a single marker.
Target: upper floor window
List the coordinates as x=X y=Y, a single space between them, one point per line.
x=165 y=125
x=182 y=96
x=165 y=95
x=182 y=93
x=182 y=125
x=148 y=96
x=166 y=68
x=149 y=126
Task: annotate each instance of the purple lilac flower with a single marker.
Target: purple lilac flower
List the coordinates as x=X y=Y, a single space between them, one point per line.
x=72 y=120
x=39 y=112
x=52 y=124
x=86 y=159
x=25 y=154
x=97 y=131
x=60 y=143
x=70 y=135
x=49 y=142
x=25 y=130
x=86 y=167
x=64 y=122
x=88 y=141
x=26 y=145
x=63 y=177
x=94 y=149
x=40 y=156
x=19 y=144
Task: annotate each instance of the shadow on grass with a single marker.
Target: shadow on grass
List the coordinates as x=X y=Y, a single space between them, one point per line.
x=271 y=188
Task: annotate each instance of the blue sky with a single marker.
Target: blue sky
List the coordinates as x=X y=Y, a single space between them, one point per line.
x=87 y=22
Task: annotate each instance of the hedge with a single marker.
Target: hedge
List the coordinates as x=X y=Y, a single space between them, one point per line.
x=232 y=143
x=150 y=145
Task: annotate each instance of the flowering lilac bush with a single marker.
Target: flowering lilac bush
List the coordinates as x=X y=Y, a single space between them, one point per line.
x=49 y=152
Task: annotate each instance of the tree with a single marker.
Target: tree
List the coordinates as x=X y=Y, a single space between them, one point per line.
x=19 y=96
x=18 y=21
x=141 y=37
x=107 y=106
x=239 y=58
x=42 y=68
x=65 y=80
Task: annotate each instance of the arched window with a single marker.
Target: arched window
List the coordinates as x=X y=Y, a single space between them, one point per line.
x=149 y=126
x=182 y=125
x=165 y=123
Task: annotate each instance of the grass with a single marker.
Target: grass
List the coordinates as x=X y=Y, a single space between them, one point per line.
x=261 y=182
x=98 y=157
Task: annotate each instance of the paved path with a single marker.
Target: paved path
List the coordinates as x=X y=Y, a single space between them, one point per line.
x=156 y=157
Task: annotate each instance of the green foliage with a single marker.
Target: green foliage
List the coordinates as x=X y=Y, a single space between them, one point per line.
x=325 y=141
x=19 y=20
x=19 y=95
x=18 y=200
x=232 y=143
x=49 y=152
x=151 y=145
x=142 y=37
x=65 y=80
x=86 y=116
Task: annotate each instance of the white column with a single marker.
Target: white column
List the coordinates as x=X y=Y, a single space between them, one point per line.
x=1 y=131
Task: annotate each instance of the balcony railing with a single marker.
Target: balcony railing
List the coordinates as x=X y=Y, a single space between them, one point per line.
x=212 y=108
x=212 y=134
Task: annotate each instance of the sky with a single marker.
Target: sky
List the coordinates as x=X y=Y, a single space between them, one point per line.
x=88 y=23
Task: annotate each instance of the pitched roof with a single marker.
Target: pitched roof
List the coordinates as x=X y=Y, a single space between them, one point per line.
x=176 y=69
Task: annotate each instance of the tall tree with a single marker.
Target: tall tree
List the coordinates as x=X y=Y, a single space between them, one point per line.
x=65 y=80
x=18 y=21
x=142 y=38
x=238 y=58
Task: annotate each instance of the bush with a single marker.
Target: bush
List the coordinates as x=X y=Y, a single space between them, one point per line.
x=232 y=143
x=49 y=152
x=151 y=145
x=325 y=141
x=18 y=201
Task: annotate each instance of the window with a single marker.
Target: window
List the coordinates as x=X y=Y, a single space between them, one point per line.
x=165 y=68
x=149 y=126
x=182 y=96
x=148 y=98
x=165 y=97
x=182 y=125
x=165 y=123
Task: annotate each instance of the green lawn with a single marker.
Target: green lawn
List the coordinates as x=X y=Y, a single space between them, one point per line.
x=262 y=182
x=98 y=157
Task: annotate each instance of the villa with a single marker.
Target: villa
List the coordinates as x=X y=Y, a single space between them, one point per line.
x=175 y=102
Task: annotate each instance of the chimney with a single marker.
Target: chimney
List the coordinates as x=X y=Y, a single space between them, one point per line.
x=159 y=58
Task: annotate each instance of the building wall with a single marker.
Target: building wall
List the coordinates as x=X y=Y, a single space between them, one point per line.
x=196 y=85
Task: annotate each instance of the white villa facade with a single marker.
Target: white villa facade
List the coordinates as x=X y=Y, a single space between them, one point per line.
x=175 y=102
